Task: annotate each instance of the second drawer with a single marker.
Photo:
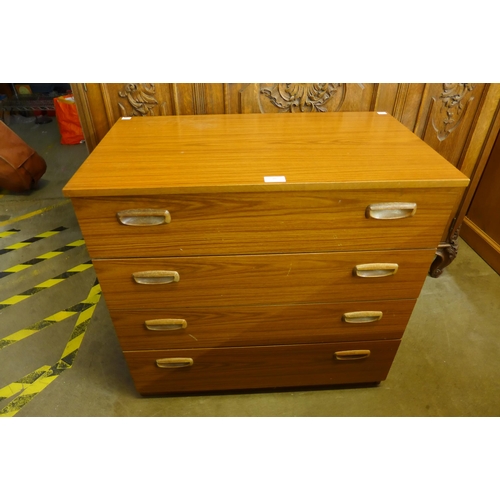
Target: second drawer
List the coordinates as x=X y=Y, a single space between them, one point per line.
x=183 y=328
x=261 y=279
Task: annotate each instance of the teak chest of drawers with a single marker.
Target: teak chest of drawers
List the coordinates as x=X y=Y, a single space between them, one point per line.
x=261 y=251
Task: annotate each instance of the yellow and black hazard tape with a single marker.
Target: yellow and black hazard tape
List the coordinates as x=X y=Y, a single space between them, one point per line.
x=46 y=284
x=32 y=214
x=41 y=258
x=21 y=384
x=31 y=385
x=82 y=306
x=5 y=234
x=29 y=241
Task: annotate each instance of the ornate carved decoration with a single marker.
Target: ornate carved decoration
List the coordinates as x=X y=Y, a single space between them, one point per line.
x=141 y=96
x=445 y=255
x=452 y=108
x=304 y=97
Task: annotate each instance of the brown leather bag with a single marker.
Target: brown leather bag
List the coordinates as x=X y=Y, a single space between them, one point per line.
x=21 y=167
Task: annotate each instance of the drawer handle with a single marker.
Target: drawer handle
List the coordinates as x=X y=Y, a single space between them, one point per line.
x=174 y=362
x=156 y=277
x=144 y=217
x=352 y=355
x=362 y=316
x=165 y=324
x=389 y=211
x=376 y=270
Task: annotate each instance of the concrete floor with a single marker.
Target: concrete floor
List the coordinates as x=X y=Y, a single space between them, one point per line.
x=447 y=364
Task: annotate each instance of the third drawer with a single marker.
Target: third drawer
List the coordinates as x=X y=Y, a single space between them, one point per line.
x=184 y=328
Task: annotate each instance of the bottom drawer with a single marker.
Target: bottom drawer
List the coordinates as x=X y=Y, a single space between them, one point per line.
x=193 y=370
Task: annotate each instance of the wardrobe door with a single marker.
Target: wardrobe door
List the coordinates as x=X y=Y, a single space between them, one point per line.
x=481 y=228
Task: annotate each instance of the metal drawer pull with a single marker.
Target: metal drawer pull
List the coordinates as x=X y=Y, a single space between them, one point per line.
x=352 y=355
x=144 y=217
x=376 y=270
x=174 y=362
x=156 y=277
x=389 y=211
x=165 y=324
x=362 y=316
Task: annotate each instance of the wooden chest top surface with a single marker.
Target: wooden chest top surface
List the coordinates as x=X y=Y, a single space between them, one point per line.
x=234 y=153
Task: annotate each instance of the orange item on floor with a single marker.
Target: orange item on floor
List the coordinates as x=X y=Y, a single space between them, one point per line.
x=67 y=119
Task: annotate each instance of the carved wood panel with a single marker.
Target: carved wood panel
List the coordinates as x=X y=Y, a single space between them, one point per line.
x=306 y=97
x=447 y=116
x=136 y=99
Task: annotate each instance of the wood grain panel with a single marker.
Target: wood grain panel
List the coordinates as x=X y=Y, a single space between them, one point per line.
x=386 y=97
x=232 y=95
x=185 y=97
x=212 y=153
x=100 y=125
x=484 y=210
x=360 y=97
x=260 y=367
x=262 y=279
x=81 y=98
x=481 y=228
x=482 y=243
x=484 y=134
x=479 y=150
x=215 y=98
x=199 y=98
x=288 y=222
x=411 y=105
x=265 y=325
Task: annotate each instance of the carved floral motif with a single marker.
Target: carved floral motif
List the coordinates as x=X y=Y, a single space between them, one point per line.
x=303 y=97
x=141 y=96
x=452 y=108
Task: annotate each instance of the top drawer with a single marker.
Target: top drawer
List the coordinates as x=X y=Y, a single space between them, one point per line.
x=252 y=223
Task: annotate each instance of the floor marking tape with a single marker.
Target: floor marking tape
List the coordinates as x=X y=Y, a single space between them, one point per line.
x=21 y=384
x=29 y=241
x=31 y=214
x=65 y=363
x=19 y=402
x=41 y=258
x=54 y=318
x=5 y=234
x=46 y=284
